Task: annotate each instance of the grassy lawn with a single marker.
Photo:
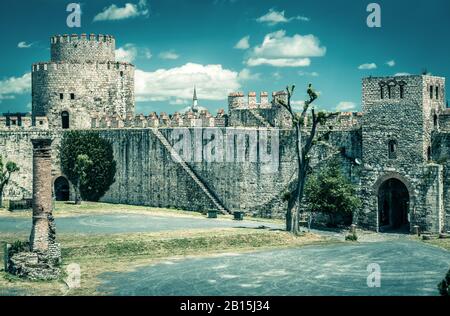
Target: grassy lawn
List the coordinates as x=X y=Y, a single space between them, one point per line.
x=108 y=253
x=442 y=243
x=124 y=252
x=66 y=209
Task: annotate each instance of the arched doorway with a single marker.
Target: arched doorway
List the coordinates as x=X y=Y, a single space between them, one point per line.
x=65 y=122
x=62 y=189
x=393 y=205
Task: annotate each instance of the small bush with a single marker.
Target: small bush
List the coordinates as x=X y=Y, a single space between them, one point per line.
x=444 y=286
x=351 y=237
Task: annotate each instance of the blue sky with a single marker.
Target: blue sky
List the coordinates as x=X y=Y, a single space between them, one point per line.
x=176 y=44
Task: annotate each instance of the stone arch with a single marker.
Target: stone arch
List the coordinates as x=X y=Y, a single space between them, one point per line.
x=65 y=119
x=393 y=175
x=61 y=188
x=395 y=200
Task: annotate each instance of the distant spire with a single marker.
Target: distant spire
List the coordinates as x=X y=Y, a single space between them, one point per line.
x=195 y=94
x=195 y=100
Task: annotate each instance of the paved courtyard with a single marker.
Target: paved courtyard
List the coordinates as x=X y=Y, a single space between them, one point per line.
x=132 y=223
x=407 y=268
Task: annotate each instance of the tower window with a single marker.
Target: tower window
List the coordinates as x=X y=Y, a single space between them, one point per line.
x=402 y=91
x=431 y=92
x=72 y=96
x=65 y=120
x=382 y=92
x=429 y=153
x=392 y=149
x=61 y=96
x=121 y=73
x=435 y=120
x=437 y=93
x=390 y=92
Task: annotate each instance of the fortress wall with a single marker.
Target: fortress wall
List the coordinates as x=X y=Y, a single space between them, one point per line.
x=81 y=48
x=147 y=174
x=16 y=146
x=103 y=88
x=441 y=155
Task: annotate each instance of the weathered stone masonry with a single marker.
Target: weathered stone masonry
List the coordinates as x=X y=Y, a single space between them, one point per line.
x=397 y=150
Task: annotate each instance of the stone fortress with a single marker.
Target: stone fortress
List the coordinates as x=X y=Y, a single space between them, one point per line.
x=396 y=150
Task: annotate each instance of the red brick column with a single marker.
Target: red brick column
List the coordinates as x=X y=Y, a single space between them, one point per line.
x=42 y=194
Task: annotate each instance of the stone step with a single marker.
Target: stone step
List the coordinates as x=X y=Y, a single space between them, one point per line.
x=189 y=171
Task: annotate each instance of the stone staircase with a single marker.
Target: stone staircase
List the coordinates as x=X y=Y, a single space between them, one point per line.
x=178 y=159
x=261 y=119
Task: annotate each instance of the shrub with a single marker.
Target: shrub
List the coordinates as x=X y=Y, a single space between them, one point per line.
x=444 y=286
x=99 y=174
x=351 y=237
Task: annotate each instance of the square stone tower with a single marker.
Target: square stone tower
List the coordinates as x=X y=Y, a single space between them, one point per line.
x=401 y=186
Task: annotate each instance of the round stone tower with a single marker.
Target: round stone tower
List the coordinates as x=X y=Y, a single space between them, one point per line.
x=81 y=79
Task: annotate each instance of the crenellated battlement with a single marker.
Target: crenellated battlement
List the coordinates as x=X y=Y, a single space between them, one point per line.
x=66 y=38
x=23 y=121
x=54 y=66
x=82 y=48
x=153 y=120
x=237 y=100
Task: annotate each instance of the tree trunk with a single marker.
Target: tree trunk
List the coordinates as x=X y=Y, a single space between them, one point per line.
x=2 y=186
x=289 y=219
x=300 y=180
x=77 y=194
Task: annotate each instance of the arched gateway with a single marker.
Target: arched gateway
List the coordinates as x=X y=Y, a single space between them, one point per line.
x=393 y=205
x=62 y=189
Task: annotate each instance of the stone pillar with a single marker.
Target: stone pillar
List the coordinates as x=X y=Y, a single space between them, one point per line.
x=42 y=195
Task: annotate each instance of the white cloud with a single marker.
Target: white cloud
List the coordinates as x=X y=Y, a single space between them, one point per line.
x=297 y=105
x=368 y=66
x=277 y=75
x=213 y=83
x=15 y=85
x=279 y=62
x=345 y=106
x=391 y=63
x=127 y=53
x=246 y=74
x=308 y=74
x=148 y=53
x=243 y=43
x=280 y=50
x=24 y=45
x=130 y=10
x=171 y=55
x=274 y=17
x=400 y=74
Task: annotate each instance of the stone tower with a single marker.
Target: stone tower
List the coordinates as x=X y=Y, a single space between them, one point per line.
x=81 y=79
x=402 y=186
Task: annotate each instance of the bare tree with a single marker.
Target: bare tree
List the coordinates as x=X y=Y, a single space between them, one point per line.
x=302 y=149
x=5 y=175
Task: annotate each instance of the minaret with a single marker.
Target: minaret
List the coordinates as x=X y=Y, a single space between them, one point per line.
x=195 y=101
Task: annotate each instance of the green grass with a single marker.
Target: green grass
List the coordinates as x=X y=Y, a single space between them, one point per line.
x=97 y=254
x=442 y=243
x=65 y=209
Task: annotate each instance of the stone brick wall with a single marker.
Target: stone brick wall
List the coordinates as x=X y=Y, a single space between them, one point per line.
x=83 y=48
x=16 y=146
x=408 y=122
x=82 y=78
